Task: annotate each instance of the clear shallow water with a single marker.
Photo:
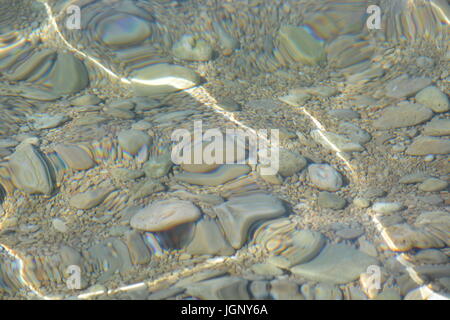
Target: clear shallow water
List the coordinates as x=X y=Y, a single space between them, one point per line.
x=357 y=96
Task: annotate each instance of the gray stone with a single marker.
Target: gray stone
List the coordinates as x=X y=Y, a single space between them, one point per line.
x=325 y=177
x=387 y=207
x=124 y=174
x=414 y=177
x=74 y=156
x=89 y=199
x=133 y=140
x=422 y=146
x=330 y=201
x=434 y=99
x=86 y=100
x=433 y=185
x=158 y=166
x=404 y=86
x=344 y=114
x=300 y=45
x=354 y=133
x=223 y=288
x=29 y=170
x=238 y=214
x=139 y=252
x=47 y=121
x=145 y=188
x=69 y=75
x=336 y=264
x=437 y=127
x=228 y=104
x=209 y=239
x=349 y=233
x=290 y=162
x=404 y=115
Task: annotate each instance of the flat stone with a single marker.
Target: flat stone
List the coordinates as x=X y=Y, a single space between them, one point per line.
x=169 y=117
x=133 y=140
x=120 y=113
x=29 y=170
x=146 y=188
x=349 y=233
x=228 y=104
x=158 y=166
x=141 y=125
x=290 y=162
x=69 y=75
x=74 y=156
x=325 y=177
x=434 y=99
x=433 y=185
x=354 y=133
x=47 y=121
x=89 y=199
x=336 y=264
x=223 y=288
x=304 y=245
x=330 y=201
x=163 y=78
x=361 y=203
x=139 y=252
x=238 y=214
x=300 y=45
x=423 y=145
x=164 y=215
x=209 y=239
x=122 y=29
x=414 y=177
x=344 y=114
x=437 y=127
x=322 y=91
x=403 y=86
x=124 y=174
x=122 y=104
x=405 y=115
x=295 y=98
x=86 y=100
x=217 y=177
x=387 y=207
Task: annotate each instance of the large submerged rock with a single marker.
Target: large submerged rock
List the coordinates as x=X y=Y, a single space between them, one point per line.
x=29 y=170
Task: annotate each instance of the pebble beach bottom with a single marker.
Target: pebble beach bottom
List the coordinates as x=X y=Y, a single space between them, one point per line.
x=346 y=100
